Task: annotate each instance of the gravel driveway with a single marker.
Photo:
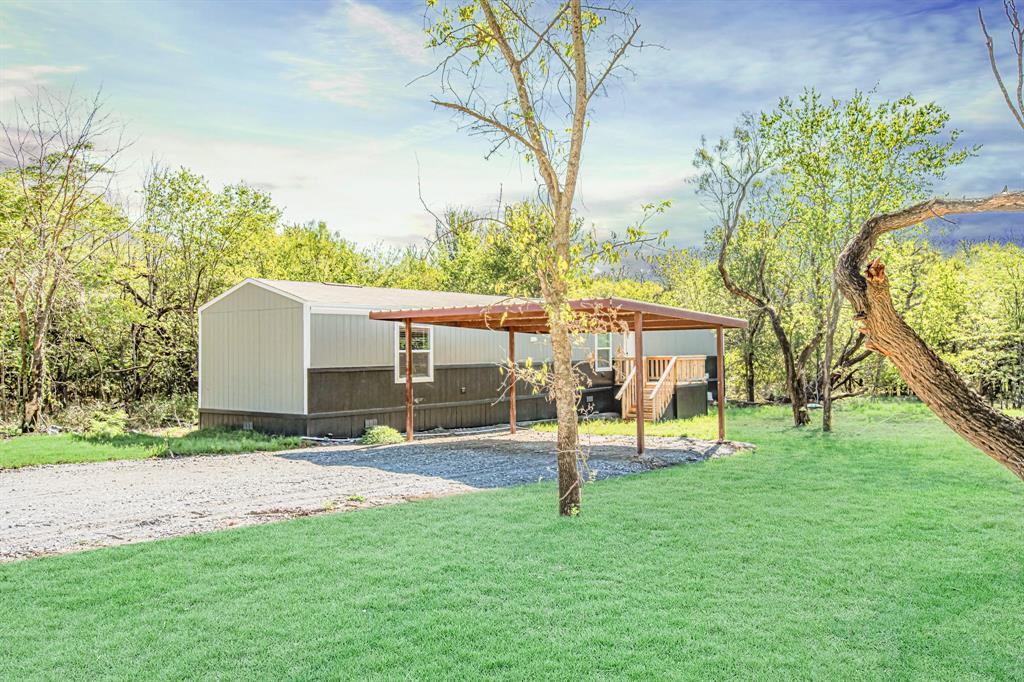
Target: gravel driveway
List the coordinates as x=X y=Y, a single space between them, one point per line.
x=70 y=507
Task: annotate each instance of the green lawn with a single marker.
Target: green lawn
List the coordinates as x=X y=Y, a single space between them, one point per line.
x=887 y=550
x=68 y=448
x=697 y=427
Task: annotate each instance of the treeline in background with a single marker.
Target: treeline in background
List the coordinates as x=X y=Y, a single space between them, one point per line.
x=99 y=299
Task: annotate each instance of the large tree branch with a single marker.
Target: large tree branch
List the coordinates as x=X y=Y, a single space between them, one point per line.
x=526 y=106
x=488 y=120
x=932 y=380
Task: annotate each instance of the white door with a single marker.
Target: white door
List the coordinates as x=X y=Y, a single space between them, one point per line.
x=628 y=345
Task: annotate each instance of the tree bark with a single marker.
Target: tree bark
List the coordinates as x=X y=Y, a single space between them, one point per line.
x=749 y=353
x=570 y=494
x=933 y=381
x=796 y=375
x=826 y=374
x=796 y=381
x=32 y=409
x=748 y=369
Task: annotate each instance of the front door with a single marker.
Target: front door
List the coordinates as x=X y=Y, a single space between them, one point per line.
x=628 y=344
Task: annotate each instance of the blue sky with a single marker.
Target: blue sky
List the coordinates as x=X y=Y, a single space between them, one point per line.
x=311 y=100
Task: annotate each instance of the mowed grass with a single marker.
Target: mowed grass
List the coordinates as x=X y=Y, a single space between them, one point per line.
x=67 y=448
x=887 y=550
x=705 y=427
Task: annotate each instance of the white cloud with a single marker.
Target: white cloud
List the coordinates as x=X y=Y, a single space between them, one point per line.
x=356 y=55
x=396 y=31
x=329 y=81
x=363 y=186
x=21 y=81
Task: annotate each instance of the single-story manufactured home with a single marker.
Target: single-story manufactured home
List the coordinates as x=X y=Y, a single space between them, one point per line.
x=306 y=358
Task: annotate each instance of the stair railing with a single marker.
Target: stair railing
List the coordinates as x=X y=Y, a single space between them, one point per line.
x=627 y=394
x=661 y=394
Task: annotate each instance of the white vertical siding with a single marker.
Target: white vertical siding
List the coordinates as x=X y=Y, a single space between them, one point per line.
x=251 y=353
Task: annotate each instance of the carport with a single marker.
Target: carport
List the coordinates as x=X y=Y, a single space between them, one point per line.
x=613 y=314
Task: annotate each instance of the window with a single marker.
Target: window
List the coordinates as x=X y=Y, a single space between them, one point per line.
x=422 y=353
x=602 y=352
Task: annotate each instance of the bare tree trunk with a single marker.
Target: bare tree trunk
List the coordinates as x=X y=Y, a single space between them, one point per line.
x=830 y=344
x=569 y=482
x=796 y=375
x=932 y=380
x=1017 y=40
x=749 y=353
x=748 y=369
x=32 y=397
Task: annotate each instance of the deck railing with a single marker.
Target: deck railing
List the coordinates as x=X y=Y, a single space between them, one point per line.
x=661 y=374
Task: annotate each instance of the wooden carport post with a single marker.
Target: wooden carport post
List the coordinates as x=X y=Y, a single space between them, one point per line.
x=512 y=379
x=720 y=383
x=638 y=377
x=408 y=379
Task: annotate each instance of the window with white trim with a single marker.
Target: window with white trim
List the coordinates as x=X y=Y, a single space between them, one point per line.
x=602 y=352
x=422 y=353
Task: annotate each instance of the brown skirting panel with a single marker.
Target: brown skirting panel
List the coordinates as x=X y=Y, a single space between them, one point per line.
x=283 y=424
x=359 y=388
x=450 y=415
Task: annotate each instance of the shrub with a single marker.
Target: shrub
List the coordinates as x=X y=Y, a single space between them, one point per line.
x=381 y=435
x=78 y=417
x=155 y=412
x=107 y=423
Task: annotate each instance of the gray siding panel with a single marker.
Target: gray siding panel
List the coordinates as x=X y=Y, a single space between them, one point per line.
x=340 y=340
x=346 y=340
x=693 y=342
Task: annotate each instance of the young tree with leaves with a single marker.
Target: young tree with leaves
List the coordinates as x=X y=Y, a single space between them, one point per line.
x=842 y=162
x=525 y=75
x=792 y=186
x=62 y=153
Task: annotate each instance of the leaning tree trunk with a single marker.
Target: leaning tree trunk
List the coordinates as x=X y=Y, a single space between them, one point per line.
x=796 y=379
x=932 y=380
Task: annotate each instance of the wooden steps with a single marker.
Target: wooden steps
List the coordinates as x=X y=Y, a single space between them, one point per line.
x=661 y=374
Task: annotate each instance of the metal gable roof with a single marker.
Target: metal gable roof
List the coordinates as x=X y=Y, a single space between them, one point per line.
x=329 y=295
